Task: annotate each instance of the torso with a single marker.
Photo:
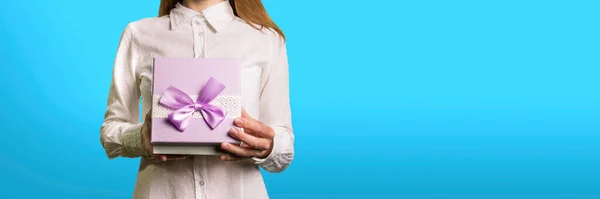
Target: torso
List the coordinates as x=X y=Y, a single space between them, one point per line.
x=201 y=176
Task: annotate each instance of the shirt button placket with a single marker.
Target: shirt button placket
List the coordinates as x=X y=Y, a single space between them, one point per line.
x=198 y=167
x=199 y=178
x=198 y=31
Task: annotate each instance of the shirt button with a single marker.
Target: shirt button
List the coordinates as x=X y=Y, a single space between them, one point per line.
x=201 y=183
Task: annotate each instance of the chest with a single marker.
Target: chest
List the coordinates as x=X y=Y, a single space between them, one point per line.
x=195 y=42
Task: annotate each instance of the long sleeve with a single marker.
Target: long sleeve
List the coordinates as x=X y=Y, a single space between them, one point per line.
x=120 y=133
x=275 y=110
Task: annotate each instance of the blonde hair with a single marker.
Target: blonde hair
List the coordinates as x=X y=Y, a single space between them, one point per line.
x=251 y=11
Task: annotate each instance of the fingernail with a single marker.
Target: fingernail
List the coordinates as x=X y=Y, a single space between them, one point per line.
x=234 y=131
x=239 y=121
x=163 y=158
x=221 y=157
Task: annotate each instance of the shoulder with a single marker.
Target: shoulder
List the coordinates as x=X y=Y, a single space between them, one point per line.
x=149 y=24
x=263 y=34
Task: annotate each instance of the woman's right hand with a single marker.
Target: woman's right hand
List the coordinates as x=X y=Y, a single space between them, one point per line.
x=146 y=143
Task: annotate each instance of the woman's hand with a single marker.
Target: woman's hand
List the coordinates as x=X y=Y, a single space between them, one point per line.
x=146 y=135
x=256 y=138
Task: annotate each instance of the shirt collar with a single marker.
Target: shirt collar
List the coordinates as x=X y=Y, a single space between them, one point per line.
x=218 y=15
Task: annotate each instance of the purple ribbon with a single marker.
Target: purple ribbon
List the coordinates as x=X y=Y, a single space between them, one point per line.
x=185 y=106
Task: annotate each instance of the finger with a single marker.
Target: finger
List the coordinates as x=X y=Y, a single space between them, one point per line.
x=164 y=158
x=240 y=151
x=250 y=140
x=253 y=126
x=176 y=157
x=230 y=158
x=155 y=158
x=242 y=144
x=245 y=114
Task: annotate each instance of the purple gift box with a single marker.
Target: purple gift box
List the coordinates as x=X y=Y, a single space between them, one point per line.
x=195 y=101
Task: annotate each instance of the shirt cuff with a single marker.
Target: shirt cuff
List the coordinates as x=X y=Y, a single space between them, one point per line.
x=274 y=151
x=132 y=141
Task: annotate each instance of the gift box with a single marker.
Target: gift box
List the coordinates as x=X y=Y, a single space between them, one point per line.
x=195 y=102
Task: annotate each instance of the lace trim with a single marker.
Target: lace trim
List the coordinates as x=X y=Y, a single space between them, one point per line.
x=231 y=104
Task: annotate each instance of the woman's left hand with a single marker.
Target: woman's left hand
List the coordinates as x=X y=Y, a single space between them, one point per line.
x=256 y=138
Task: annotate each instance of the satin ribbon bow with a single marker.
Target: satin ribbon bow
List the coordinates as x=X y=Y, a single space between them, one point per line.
x=185 y=106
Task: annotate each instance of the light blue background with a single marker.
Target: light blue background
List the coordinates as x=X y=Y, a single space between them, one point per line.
x=391 y=99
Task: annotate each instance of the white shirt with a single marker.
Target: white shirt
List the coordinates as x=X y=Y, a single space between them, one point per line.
x=213 y=33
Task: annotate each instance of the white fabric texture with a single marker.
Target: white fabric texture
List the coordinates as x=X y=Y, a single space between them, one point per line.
x=213 y=33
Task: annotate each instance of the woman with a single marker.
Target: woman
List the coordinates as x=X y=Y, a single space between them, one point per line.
x=204 y=29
